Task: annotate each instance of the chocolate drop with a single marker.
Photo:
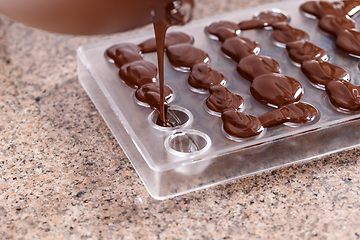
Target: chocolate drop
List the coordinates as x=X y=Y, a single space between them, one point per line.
x=321 y=73
x=344 y=95
x=334 y=25
x=202 y=77
x=284 y=34
x=348 y=41
x=221 y=99
x=300 y=51
x=223 y=30
x=138 y=73
x=296 y=113
x=238 y=48
x=241 y=125
x=263 y=19
x=171 y=38
x=185 y=56
x=276 y=90
x=124 y=53
x=322 y=8
x=254 y=66
x=150 y=94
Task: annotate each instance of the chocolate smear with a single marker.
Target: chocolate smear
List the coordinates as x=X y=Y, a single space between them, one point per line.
x=202 y=77
x=138 y=73
x=221 y=99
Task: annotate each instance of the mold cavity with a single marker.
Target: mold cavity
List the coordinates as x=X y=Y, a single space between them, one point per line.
x=187 y=142
x=177 y=117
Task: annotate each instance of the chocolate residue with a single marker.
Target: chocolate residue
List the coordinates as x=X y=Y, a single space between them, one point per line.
x=296 y=113
x=223 y=30
x=238 y=48
x=202 y=77
x=321 y=73
x=276 y=90
x=344 y=95
x=184 y=56
x=150 y=94
x=300 y=51
x=221 y=99
x=256 y=65
x=263 y=19
x=284 y=34
x=171 y=38
x=124 y=53
x=138 y=73
x=241 y=125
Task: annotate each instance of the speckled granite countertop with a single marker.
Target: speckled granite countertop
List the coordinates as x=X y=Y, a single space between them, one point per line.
x=64 y=176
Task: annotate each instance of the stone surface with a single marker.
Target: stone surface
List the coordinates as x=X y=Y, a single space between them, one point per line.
x=63 y=175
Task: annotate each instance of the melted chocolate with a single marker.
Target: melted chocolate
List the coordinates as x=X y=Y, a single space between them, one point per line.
x=221 y=99
x=284 y=34
x=124 y=53
x=150 y=94
x=334 y=25
x=256 y=65
x=202 y=77
x=296 y=113
x=241 y=125
x=185 y=56
x=223 y=30
x=321 y=73
x=322 y=8
x=263 y=19
x=276 y=90
x=238 y=48
x=344 y=95
x=300 y=51
x=171 y=38
x=138 y=73
x=348 y=41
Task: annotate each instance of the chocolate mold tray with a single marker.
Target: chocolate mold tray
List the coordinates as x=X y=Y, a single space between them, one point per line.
x=196 y=155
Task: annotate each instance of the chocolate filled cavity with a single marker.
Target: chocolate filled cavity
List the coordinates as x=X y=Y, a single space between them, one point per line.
x=263 y=20
x=239 y=48
x=300 y=51
x=171 y=38
x=223 y=30
x=295 y=113
x=150 y=94
x=138 y=73
x=334 y=25
x=276 y=90
x=241 y=125
x=221 y=99
x=284 y=34
x=124 y=53
x=344 y=95
x=254 y=66
x=321 y=73
x=185 y=56
x=202 y=77
x=348 y=42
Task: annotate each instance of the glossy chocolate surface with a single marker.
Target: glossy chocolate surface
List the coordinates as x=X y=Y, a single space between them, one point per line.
x=221 y=99
x=300 y=51
x=223 y=30
x=241 y=125
x=296 y=113
x=284 y=34
x=263 y=19
x=150 y=94
x=138 y=73
x=348 y=41
x=202 y=77
x=171 y=38
x=320 y=73
x=238 y=48
x=276 y=90
x=124 y=53
x=254 y=66
x=184 y=56
x=334 y=25
x=344 y=95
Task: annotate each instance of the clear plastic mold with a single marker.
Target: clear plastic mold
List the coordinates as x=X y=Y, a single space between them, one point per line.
x=197 y=154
